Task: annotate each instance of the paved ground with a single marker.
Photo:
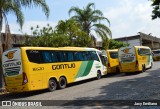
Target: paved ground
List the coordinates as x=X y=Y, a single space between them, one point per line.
x=142 y=86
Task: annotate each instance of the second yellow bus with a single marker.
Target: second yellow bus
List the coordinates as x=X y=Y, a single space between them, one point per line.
x=135 y=58
x=113 y=63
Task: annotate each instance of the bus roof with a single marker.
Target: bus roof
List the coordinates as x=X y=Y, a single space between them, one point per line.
x=142 y=47
x=78 y=48
x=61 y=48
x=112 y=50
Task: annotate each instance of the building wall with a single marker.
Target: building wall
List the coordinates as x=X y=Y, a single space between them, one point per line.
x=141 y=39
x=154 y=47
x=135 y=42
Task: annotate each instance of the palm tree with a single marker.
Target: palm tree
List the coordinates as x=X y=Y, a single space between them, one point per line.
x=90 y=20
x=15 y=7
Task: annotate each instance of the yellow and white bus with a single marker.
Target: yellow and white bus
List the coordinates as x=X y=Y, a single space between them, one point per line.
x=113 y=63
x=156 y=55
x=36 y=68
x=135 y=58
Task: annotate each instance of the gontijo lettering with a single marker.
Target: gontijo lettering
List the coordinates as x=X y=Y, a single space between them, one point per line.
x=63 y=66
x=12 y=64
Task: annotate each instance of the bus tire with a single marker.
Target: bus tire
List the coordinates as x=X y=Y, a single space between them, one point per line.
x=52 y=85
x=98 y=74
x=62 y=82
x=143 y=68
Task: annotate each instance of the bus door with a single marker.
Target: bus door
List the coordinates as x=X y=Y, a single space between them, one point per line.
x=104 y=61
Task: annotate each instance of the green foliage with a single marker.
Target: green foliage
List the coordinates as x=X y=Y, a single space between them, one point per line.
x=66 y=33
x=15 y=7
x=46 y=37
x=156 y=9
x=90 y=20
x=105 y=43
x=73 y=31
x=113 y=44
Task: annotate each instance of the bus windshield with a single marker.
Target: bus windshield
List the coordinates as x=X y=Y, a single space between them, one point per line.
x=114 y=55
x=156 y=52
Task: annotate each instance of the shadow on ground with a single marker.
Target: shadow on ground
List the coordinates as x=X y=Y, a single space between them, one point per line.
x=143 y=88
x=11 y=96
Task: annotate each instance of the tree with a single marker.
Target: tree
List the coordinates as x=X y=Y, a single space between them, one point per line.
x=66 y=33
x=46 y=37
x=90 y=20
x=74 y=32
x=15 y=7
x=156 y=9
x=113 y=44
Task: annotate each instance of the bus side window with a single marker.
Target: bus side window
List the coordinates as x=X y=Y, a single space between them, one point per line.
x=54 y=56
x=84 y=56
x=70 y=56
x=34 y=56
x=60 y=56
x=93 y=56
x=78 y=56
x=46 y=57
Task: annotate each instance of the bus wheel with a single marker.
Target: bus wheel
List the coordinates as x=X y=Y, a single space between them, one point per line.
x=62 y=83
x=52 y=85
x=98 y=74
x=143 y=68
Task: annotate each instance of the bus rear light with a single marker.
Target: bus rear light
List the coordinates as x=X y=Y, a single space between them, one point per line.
x=25 y=80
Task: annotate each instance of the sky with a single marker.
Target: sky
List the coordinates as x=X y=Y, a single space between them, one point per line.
x=127 y=17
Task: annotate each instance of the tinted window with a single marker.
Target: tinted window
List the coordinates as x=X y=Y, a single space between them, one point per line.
x=86 y=56
x=156 y=53
x=34 y=56
x=42 y=56
x=46 y=55
x=114 y=55
x=144 y=51
x=60 y=56
x=93 y=56
x=54 y=56
x=78 y=56
x=70 y=56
